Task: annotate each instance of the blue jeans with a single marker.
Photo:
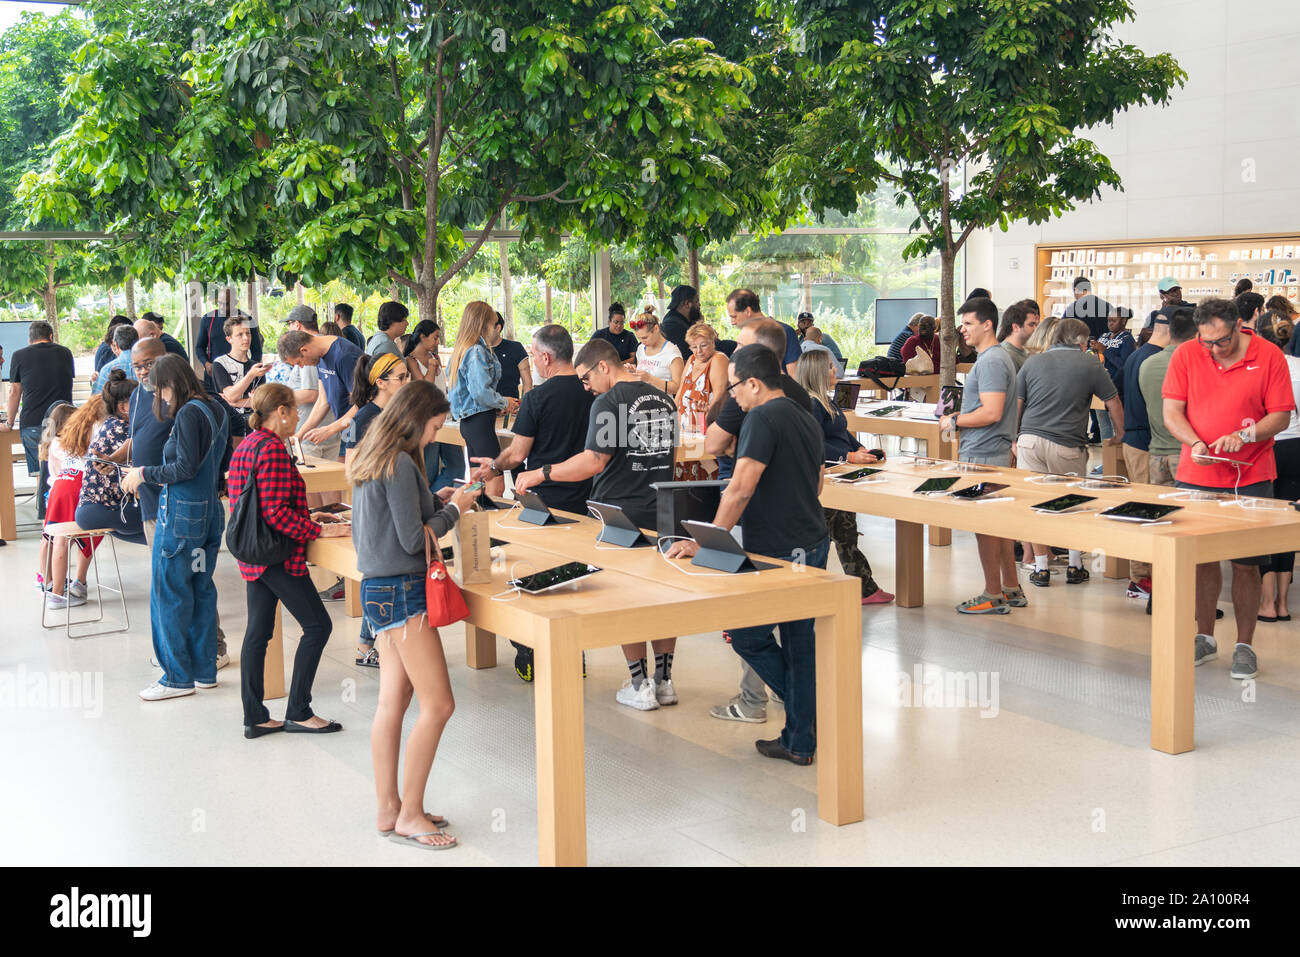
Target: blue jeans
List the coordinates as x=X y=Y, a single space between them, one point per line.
x=183 y=606
x=389 y=602
x=31 y=439
x=790 y=667
x=92 y=515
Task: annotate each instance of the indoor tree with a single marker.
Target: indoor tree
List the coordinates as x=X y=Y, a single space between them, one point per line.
x=918 y=93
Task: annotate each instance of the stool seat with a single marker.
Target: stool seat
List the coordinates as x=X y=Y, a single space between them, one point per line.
x=73 y=530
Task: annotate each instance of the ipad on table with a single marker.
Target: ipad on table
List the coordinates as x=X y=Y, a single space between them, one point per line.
x=854 y=474
x=549 y=578
x=1142 y=512
x=936 y=485
x=1063 y=503
x=616 y=528
x=718 y=550
x=978 y=490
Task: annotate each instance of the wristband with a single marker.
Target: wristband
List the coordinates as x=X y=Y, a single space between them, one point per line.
x=494 y=468
x=546 y=472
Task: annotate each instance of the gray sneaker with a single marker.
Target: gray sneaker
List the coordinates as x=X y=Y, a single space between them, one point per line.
x=1206 y=649
x=1244 y=664
x=737 y=710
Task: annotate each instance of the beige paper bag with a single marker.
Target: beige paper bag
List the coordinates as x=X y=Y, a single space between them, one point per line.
x=472 y=549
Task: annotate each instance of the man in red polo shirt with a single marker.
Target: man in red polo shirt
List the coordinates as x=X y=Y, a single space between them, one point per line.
x=1227 y=393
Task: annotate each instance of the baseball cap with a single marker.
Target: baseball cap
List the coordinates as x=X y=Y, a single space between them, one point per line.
x=303 y=314
x=1167 y=283
x=804 y=315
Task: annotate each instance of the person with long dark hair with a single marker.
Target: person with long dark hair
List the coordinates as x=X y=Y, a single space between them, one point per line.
x=182 y=597
x=282 y=498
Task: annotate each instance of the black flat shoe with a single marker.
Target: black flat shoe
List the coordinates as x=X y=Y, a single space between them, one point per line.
x=293 y=727
x=1266 y=618
x=774 y=749
x=1283 y=617
x=256 y=730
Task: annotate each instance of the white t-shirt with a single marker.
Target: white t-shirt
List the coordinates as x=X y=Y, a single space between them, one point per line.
x=660 y=364
x=1292 y=431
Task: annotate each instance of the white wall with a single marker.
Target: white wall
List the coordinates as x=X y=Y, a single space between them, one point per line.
x=1182 y=164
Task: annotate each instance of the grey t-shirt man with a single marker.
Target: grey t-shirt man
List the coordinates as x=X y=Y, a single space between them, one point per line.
x=994 y=371
x=1057 y=387
x=1018 y=355
x=380 y=344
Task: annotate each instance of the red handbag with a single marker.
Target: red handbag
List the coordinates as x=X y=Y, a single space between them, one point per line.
x=443 y=599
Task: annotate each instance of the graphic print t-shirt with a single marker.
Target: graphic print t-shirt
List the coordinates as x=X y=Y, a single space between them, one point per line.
x=636 y=425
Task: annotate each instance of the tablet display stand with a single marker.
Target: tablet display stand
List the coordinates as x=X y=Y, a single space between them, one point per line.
x=719 y=551
x=535 y=512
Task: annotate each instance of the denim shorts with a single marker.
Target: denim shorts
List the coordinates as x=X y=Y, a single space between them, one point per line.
x=389 y=603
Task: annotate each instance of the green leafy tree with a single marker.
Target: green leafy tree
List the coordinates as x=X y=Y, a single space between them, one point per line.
x=916 y=92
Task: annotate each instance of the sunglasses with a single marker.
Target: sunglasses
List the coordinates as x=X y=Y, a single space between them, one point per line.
x=1211 y=343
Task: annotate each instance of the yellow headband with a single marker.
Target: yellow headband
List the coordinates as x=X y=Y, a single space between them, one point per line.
x=380 y=367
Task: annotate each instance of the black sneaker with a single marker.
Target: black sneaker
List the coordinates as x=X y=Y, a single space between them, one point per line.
x=774 y=749
x=1041 y=579
x=1076 y=576
x=523 y=662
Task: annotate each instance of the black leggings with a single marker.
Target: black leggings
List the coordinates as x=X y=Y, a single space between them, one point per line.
x=301 y=600
x=1286 y=454
x=480 y=434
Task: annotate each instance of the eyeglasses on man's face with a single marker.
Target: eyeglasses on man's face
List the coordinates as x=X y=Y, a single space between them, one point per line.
x=142 y=368
x=1213 y=343
x=738 y=382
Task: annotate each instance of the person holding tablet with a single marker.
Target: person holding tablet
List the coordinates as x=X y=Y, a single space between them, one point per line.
x=1214 y=385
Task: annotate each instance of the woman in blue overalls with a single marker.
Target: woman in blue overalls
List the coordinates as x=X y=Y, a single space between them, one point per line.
x=182 y=598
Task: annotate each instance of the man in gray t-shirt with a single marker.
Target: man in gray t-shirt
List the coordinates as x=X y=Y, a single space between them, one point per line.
x=986 y=427
x=1054 y=392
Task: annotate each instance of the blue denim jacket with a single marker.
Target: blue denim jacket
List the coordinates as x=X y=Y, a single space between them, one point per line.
x=476 y=383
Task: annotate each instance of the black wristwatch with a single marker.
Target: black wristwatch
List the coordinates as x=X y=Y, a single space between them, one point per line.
x=546 y=472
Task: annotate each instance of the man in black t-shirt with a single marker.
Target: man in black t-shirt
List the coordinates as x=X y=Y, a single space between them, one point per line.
x=720 y=439
x=631 y=436
x=683 y=312
x=516 y=376
x=551 y=427
x=236 y=375
x=210 y=342
x=40 y=375
x=777 y=482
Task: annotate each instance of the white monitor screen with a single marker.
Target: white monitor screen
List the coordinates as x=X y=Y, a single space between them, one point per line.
x=892 y=316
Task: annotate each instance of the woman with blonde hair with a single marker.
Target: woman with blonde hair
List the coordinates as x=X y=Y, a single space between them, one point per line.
x=815 y=371
x=1044 y=337
x=658 y=361
x=262 y=458
x=392 y=507
x=472 y=380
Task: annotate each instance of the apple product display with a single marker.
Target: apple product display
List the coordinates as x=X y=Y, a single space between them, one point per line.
x=295 y=451
x=719 y=551
x=535 y=512
x=846 y=395
x=971 y=467
x=936 y=485
x=1063 y=503
x=1104 y=482
x=616 y=528
x=885 y=410
x=1144 y=512
x=979 y=490
x=1052 y=478
x=855 y=474
x=336 y=508
x=549 y=578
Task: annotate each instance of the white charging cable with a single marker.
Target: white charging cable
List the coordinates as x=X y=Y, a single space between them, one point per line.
x=513 y=592
x=686 y=538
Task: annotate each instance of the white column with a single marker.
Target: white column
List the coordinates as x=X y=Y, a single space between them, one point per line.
x=600 y=288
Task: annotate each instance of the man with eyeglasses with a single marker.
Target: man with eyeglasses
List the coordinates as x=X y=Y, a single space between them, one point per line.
x=777 y=481
x=630 y=440
x=1225 y=396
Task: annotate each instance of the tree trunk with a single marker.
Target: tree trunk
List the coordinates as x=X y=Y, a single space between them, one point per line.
x=947 y=319
x=427 y=300
x=51 y=312
x=393 y=291
x=112 y=302
x=546 y=295
x=299 y=293
x=130 y=298
x=693 y=267
x=659 y=283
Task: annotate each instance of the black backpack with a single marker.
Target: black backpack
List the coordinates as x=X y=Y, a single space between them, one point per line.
x=248 y=538
x=882 y=367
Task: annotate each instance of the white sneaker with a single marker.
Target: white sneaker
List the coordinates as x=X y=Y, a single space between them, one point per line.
x=76 y=589
x=665 y=693
x=222 y=661
x=158 y=692
x=59 y=602
x=643 y=699
x=204 y=685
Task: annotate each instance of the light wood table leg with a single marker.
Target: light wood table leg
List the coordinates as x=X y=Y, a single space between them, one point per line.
x=941 y=449
x=839 y=711
x=273 y=670
x=8 y=512
x=352 y=598
x=480 y=647
x=909 y=564
x=561 y=770
x=1112 y=463
x=1173 y=630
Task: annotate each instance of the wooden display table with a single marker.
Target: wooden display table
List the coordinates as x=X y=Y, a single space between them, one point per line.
x=691 y=448
x=915 y=421
x=639 y=597
x=8 y=510
x=1201 y=532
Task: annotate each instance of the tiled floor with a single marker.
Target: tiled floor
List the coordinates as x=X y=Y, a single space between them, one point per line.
x=1054 y=770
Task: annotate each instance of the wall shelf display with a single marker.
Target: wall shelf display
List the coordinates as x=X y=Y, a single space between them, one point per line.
x=1126 y=273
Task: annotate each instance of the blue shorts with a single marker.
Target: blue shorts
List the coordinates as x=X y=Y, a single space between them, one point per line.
x=389 y=603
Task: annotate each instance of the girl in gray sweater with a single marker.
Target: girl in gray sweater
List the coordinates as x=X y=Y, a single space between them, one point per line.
x=391 y=506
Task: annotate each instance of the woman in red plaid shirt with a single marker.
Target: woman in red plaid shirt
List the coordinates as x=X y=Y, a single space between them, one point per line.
x=283 y=498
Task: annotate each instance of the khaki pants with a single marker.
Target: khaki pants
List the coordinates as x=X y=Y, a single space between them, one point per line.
x=1136 y=463
x=1037 y=454
x=1161 y=469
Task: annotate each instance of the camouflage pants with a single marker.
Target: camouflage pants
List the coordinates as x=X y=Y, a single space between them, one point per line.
x=844 y=533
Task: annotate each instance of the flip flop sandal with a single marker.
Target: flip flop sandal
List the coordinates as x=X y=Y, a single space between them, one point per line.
x=438 y=822
x=413 y=840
